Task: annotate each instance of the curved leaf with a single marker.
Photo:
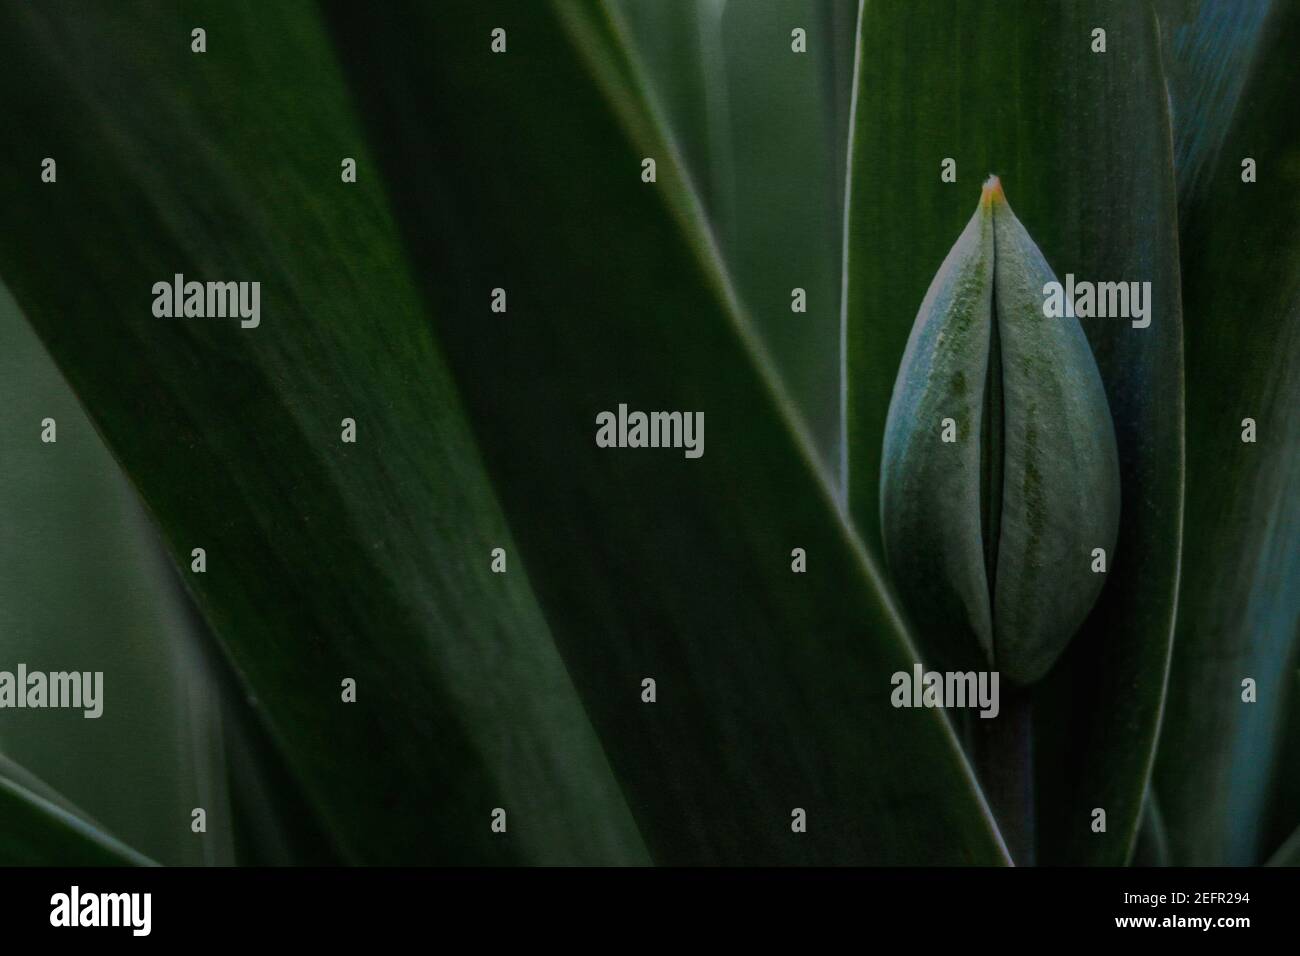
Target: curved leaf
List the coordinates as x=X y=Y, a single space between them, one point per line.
x=325 y=561
x=84 y=587
x=1284 y=800
x=773 y=687
x=1239 y=609
x=40 y=828
x=1210 y=46
x=762 y=132
x=1152 y=847
x=1288 y=854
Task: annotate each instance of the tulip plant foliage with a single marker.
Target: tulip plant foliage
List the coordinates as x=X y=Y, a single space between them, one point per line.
x=358 y=362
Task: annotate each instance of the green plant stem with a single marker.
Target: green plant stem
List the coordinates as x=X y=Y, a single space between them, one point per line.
x=1003 y=755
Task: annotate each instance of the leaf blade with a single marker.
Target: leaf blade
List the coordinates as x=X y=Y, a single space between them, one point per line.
x=40 y=828
x=763 y=133
x=74 y=527
x=762 y=726
x=324 y=563
x=1242 y=281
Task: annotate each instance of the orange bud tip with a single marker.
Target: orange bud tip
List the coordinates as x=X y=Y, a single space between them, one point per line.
x=992 y=192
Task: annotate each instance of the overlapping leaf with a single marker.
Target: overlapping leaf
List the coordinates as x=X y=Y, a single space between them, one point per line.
x=84 y=587
x=329 y=561
x=325 y=561
x=772 y=686
x=1239 y=608
x=761 y=115
x=40 y=828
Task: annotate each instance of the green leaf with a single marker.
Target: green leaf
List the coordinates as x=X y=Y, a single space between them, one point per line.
x=273 y=823
x=773 y=687
x=1284 y=800
x=679 y=46
x=84 y=587
x=1239 y=609
x=762 y=131
x=1152 y=847
x=1081 y=141
x=40 y=828
x=175 y=732
x=328 y=561
x=1288 y=854
x=1210 y=46
x=325 y=561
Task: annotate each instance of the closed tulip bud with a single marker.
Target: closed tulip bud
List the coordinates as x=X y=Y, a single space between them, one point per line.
x=989 y=535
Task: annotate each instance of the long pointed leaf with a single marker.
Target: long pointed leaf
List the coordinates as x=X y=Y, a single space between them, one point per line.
x=1288 y=854
x=773 y=687
x=74 y=527
x=1239 y=609
x=764 y=130
x=1210 y=46
x=325 y=561
x=39 y=828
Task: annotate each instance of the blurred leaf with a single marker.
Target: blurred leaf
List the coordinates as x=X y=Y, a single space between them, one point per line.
x=83 y=588
x=176 y=733
x=1081 y=141
x=1152 y=847
x=1284 y=800
x=773 y=687
x=1209 y=46
x=1239 y=609
x=24 y=779
x=763 y=133
x=39 y=828
x=273 y=822
x=325 y=561
x=679 y=44
x=1288 y=854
